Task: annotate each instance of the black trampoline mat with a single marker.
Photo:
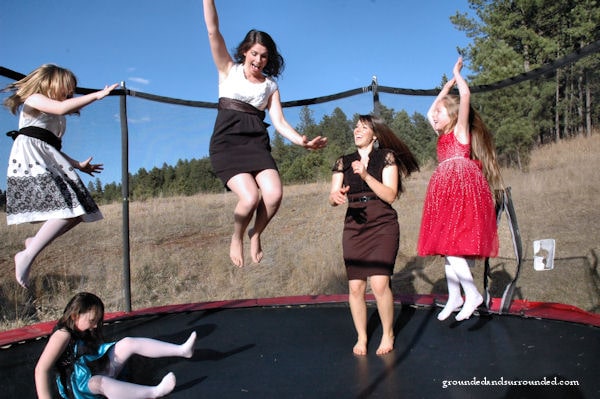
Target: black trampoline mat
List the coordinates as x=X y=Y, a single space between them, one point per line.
x=305 y=351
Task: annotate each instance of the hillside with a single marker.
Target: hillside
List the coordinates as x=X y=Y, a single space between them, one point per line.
x=179 y=246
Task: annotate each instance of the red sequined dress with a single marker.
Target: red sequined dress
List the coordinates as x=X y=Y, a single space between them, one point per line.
x=459 y=217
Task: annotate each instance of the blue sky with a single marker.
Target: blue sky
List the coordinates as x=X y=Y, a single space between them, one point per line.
x=160 y=47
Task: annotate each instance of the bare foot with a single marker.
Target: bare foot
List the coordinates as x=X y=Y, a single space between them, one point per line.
x=28 y=241
x=22 y=267
x=255 y=247
x=452 y=305
x=360 y=348
x=236 y=251
x=469 y=307
x=386 y=345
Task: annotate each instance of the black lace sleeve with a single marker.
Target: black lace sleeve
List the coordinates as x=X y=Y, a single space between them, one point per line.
x=338 y=166
x=390 y=159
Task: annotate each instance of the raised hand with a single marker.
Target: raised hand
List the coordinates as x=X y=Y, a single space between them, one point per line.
x=104 y=92
x=458 y=66
x=315 y=144
x=90 y=168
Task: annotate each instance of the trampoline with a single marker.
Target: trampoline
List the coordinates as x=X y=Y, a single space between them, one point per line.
x=301 y=347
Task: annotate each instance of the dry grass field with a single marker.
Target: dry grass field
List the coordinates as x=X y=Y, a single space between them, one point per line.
x=179 y=246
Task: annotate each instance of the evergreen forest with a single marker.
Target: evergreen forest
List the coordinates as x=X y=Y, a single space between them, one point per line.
x=508 y=38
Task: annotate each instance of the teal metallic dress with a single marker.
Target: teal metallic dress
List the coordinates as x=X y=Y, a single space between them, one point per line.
x=78 y=363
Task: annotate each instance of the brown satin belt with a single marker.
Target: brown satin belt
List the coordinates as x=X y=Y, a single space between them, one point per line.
x=237 y=105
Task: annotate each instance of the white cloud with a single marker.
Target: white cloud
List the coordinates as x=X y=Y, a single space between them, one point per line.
x=139 y=80
x=143 y=119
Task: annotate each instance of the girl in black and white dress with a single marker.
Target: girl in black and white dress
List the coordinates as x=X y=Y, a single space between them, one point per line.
x=42 y=185
x=240 y=152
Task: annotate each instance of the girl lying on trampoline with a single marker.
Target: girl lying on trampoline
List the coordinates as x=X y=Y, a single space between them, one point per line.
x=86 y=367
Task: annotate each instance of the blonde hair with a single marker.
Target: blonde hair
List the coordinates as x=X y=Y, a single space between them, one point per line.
x=482 y=141
x=50 y=80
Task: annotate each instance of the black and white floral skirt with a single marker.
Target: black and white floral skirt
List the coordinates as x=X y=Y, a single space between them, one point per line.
x=42 y=185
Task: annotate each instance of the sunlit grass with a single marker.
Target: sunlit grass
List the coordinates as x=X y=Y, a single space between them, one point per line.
x=180 y=246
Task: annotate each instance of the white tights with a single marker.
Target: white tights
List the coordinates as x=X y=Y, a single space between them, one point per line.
x=50 y=230
x=115 y=389
x=112 y=388
x=458 y=274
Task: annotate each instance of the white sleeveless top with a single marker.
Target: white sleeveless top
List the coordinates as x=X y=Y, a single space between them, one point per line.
x=30 y=116
x=236 y=86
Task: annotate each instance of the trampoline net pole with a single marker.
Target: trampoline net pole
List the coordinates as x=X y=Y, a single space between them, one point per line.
x=125 y=194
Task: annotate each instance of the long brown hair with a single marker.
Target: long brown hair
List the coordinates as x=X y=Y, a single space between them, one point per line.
x=50 y=80
x=406 y=161
x=81 y=342
x=81 y=303
x=275 y=62
x=482 y=141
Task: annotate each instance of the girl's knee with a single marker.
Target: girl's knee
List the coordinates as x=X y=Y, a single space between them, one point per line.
x=95 y=384
x=247 y=205
x=250 y=199
x=272 y=197
x=357 y=288
x=380 y=286
x=381 y=292
x=124 y=343
x=123 y=349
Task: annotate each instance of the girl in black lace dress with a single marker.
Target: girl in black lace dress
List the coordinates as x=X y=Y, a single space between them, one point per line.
x=369 y=180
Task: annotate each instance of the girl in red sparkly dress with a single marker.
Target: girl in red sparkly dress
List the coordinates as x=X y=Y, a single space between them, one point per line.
x=459 y=218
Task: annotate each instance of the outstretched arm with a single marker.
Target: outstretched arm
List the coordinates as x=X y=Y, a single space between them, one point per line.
x=70 y=105
x=221 y=57
x=286 y=130
x=85 y=166
x=461 y=130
